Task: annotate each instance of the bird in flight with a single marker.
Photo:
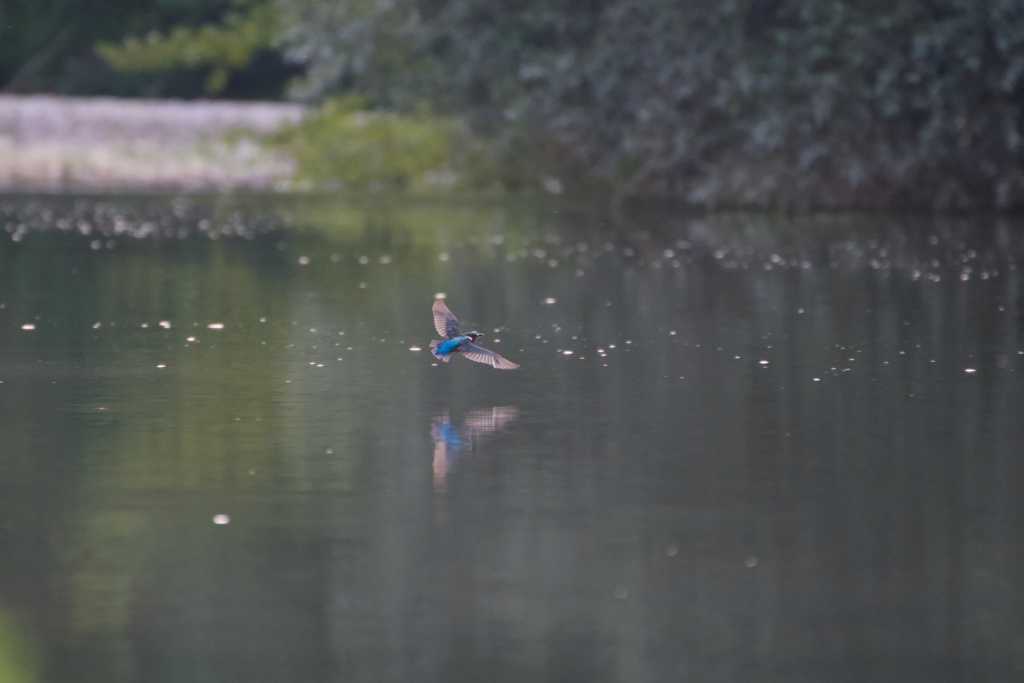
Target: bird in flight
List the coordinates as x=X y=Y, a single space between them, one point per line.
x=447 y=325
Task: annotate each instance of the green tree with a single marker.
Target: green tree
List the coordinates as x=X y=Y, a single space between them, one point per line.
x=49 y=47
x=795 y=102
x=220 y=47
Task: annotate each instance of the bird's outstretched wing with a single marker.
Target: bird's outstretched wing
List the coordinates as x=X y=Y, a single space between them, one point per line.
x=445 y=321
x=481 y=355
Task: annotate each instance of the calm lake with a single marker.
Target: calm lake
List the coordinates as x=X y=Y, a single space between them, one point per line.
x=739 y=448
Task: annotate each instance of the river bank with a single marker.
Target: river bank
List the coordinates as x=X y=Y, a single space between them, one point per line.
x=51 y=144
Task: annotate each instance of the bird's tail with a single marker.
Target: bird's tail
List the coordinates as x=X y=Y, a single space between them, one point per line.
x=439 y=356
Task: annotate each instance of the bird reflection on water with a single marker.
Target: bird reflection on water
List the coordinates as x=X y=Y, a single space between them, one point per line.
x=452 y=441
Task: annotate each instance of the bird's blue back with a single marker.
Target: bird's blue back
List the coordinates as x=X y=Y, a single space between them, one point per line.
x=448 y=345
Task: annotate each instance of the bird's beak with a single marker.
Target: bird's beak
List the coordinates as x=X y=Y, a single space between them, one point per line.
x=479 y=334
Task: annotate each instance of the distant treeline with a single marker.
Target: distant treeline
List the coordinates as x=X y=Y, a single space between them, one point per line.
x=786 y=103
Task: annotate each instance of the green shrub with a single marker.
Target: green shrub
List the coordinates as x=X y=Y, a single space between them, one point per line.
x=343 y=145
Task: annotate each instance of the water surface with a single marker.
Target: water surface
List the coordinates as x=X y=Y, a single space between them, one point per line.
x=738 y=448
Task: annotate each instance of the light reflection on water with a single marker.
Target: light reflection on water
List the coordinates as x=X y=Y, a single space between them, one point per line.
x=776 y=450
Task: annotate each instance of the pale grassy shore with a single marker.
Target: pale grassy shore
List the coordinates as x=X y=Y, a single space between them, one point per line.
x=92 y=144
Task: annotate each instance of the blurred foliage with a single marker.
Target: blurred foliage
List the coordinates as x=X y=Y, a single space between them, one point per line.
x=791 y=102
x=788 y=103
x=49 y=47
x=221 y=47
x=342 y=145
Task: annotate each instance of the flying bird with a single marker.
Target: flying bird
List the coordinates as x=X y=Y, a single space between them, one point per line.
x=447 y=325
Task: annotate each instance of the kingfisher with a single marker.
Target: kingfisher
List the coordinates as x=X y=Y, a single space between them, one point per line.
x=454 y=341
